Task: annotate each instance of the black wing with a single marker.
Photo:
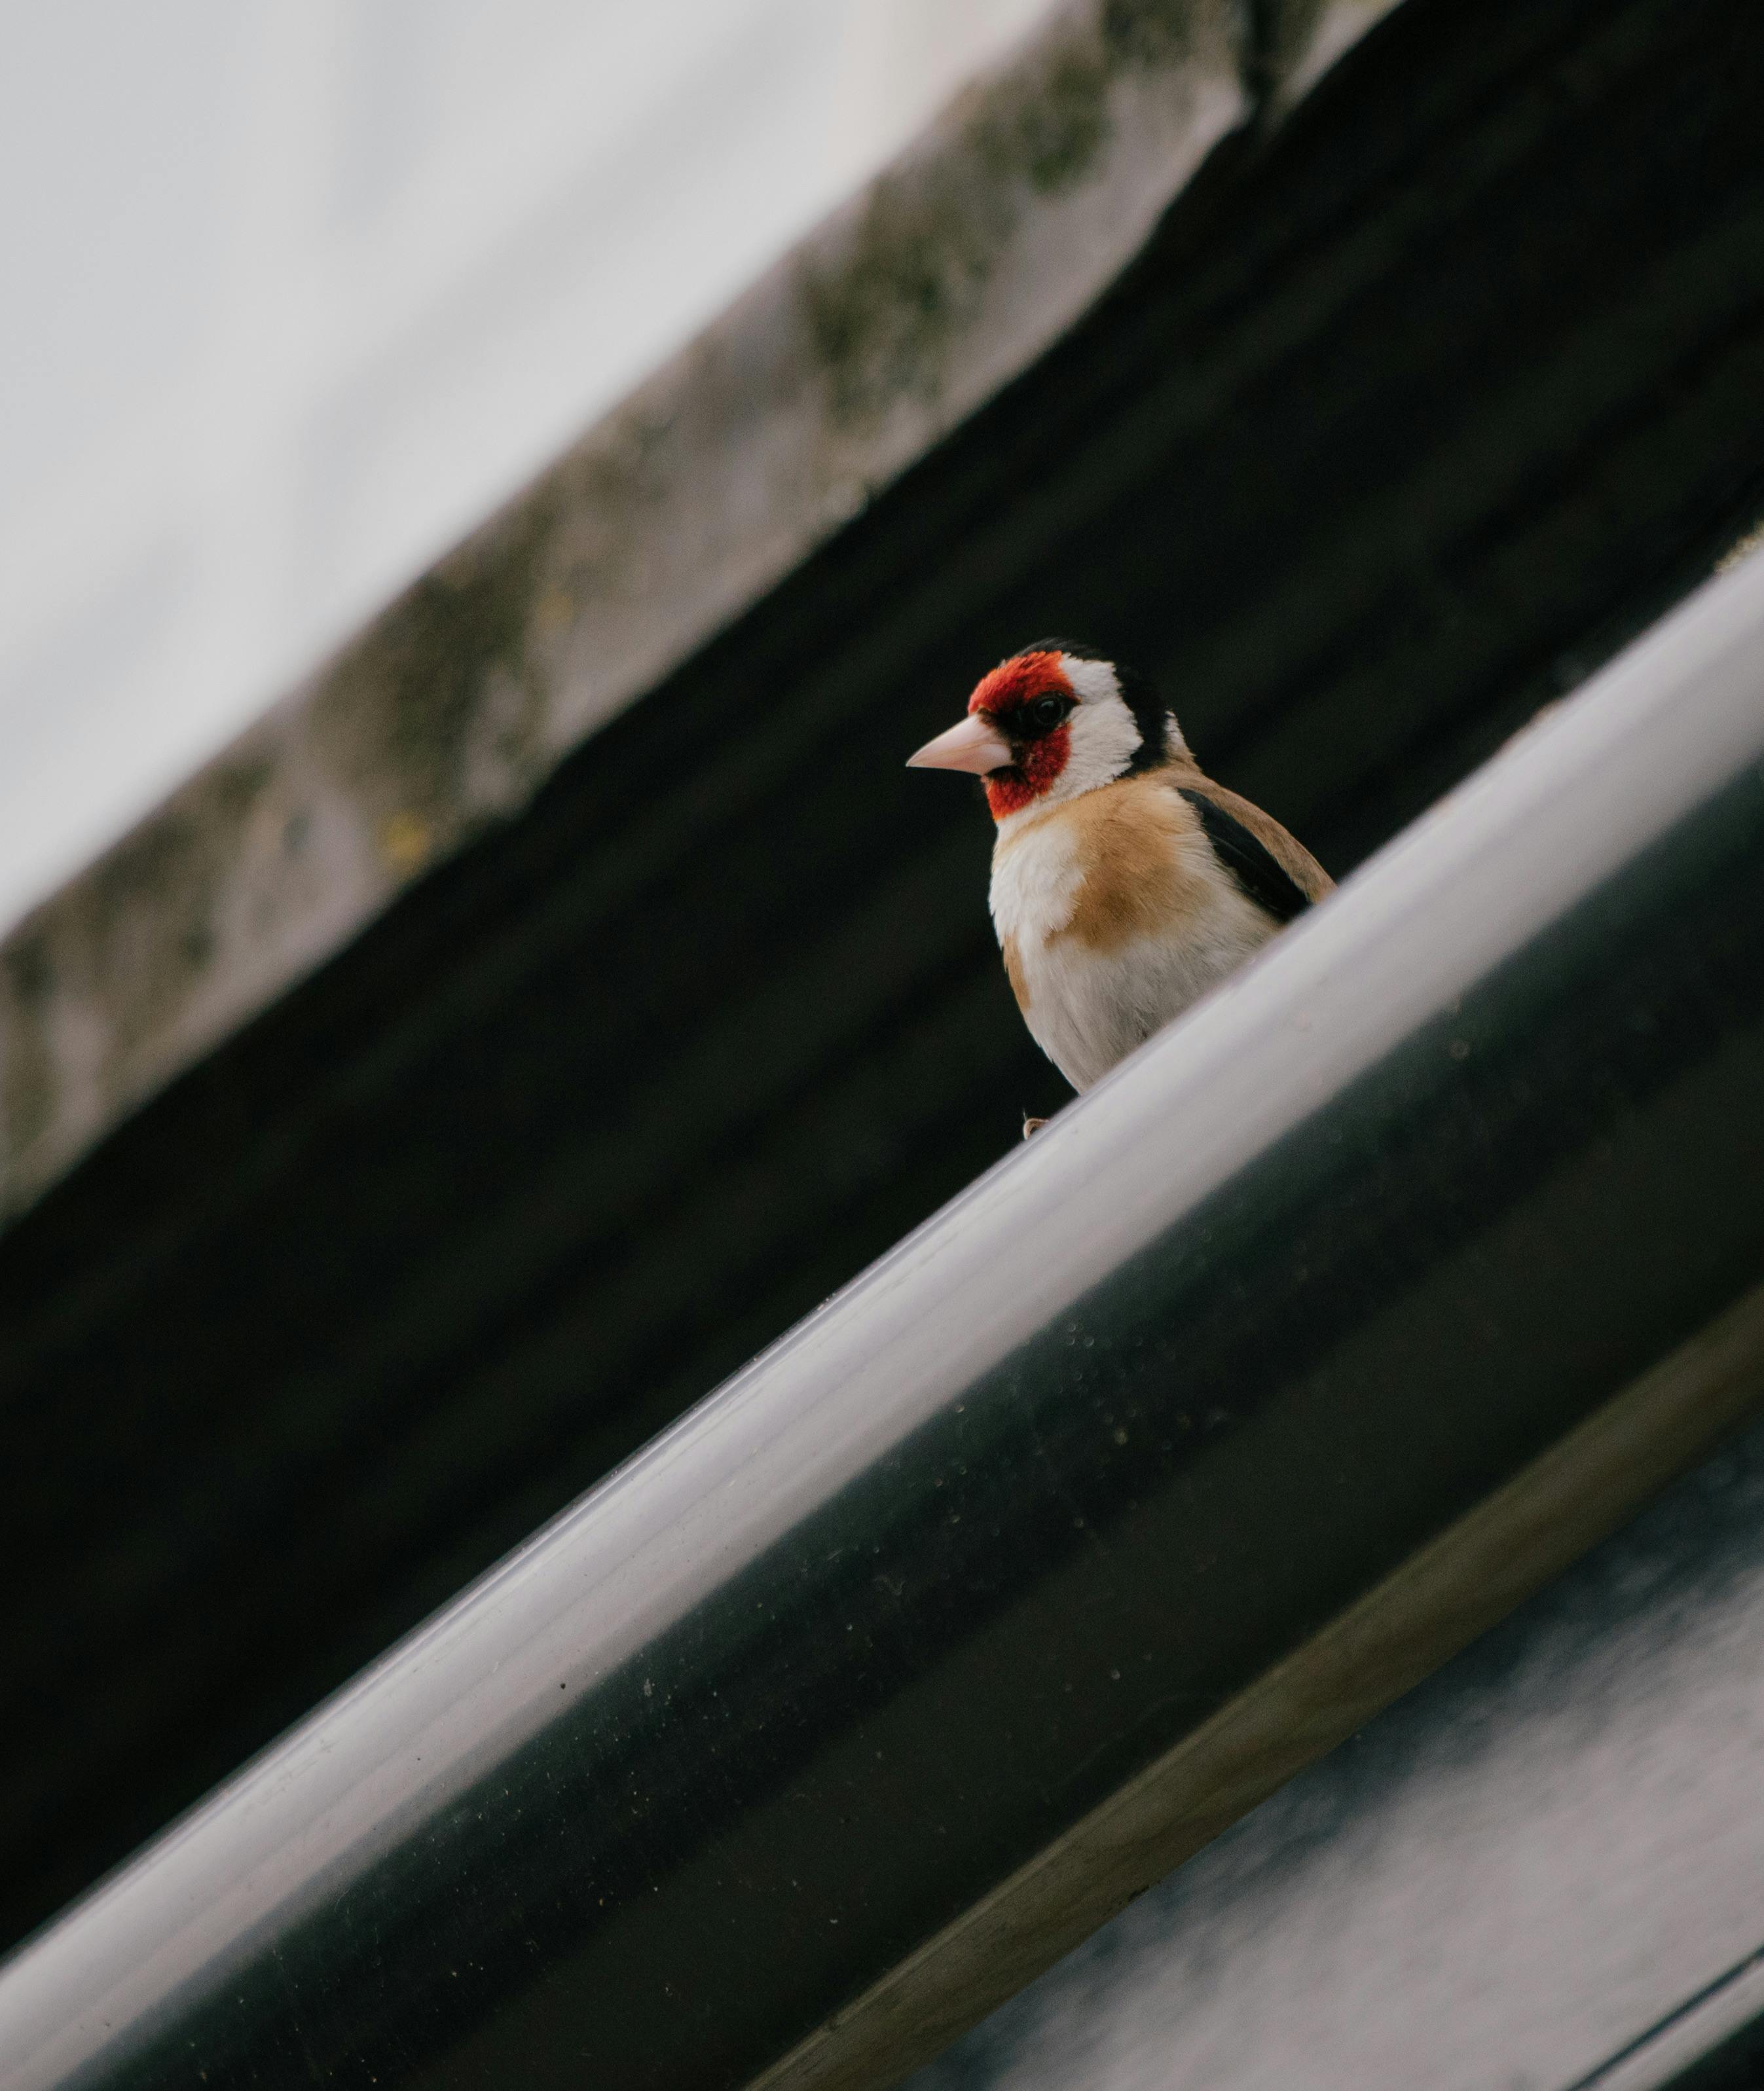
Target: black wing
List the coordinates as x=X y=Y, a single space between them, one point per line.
x=1247 y=861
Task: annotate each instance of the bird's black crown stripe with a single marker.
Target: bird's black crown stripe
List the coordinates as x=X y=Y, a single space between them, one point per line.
x=1248 y=863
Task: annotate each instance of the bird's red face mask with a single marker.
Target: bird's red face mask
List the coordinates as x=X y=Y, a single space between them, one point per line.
x=1015 y=735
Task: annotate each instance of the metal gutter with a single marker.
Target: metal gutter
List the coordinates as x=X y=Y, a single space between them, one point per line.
x=1346 y=1313
x=944 y=278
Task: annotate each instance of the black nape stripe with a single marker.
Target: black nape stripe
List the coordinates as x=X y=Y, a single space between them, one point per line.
x=1247 y=861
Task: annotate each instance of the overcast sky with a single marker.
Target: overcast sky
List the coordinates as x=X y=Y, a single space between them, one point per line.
x=293 y=291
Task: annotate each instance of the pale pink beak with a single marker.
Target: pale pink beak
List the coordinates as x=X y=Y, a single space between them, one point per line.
x=975 y=744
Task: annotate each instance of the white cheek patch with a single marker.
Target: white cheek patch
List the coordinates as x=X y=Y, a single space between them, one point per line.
x=1105 y=739
x=1092 y=682
x=1104 y=736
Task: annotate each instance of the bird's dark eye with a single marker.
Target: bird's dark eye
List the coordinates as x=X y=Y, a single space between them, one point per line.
x=1043 y=715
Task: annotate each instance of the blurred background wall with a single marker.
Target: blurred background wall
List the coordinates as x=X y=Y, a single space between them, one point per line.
x=291 y=292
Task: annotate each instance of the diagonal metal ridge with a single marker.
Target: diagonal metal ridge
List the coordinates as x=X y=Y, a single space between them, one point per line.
x=1339 y=1318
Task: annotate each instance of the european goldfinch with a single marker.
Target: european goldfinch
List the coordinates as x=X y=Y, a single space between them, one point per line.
x=1125 y=882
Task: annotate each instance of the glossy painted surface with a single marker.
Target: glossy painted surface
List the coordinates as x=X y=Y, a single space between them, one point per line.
x=1473 y=1146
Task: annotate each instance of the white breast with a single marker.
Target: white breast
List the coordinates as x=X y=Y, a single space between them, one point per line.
x=1036 y=876
x=1089 y=1008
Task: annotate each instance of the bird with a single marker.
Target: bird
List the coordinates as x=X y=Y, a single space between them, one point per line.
x=1125 y=882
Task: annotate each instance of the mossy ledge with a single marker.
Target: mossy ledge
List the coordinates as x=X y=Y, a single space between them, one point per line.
x=904 y=312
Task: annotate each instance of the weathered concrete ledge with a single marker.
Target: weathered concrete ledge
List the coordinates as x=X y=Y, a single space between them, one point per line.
x=909 y=308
